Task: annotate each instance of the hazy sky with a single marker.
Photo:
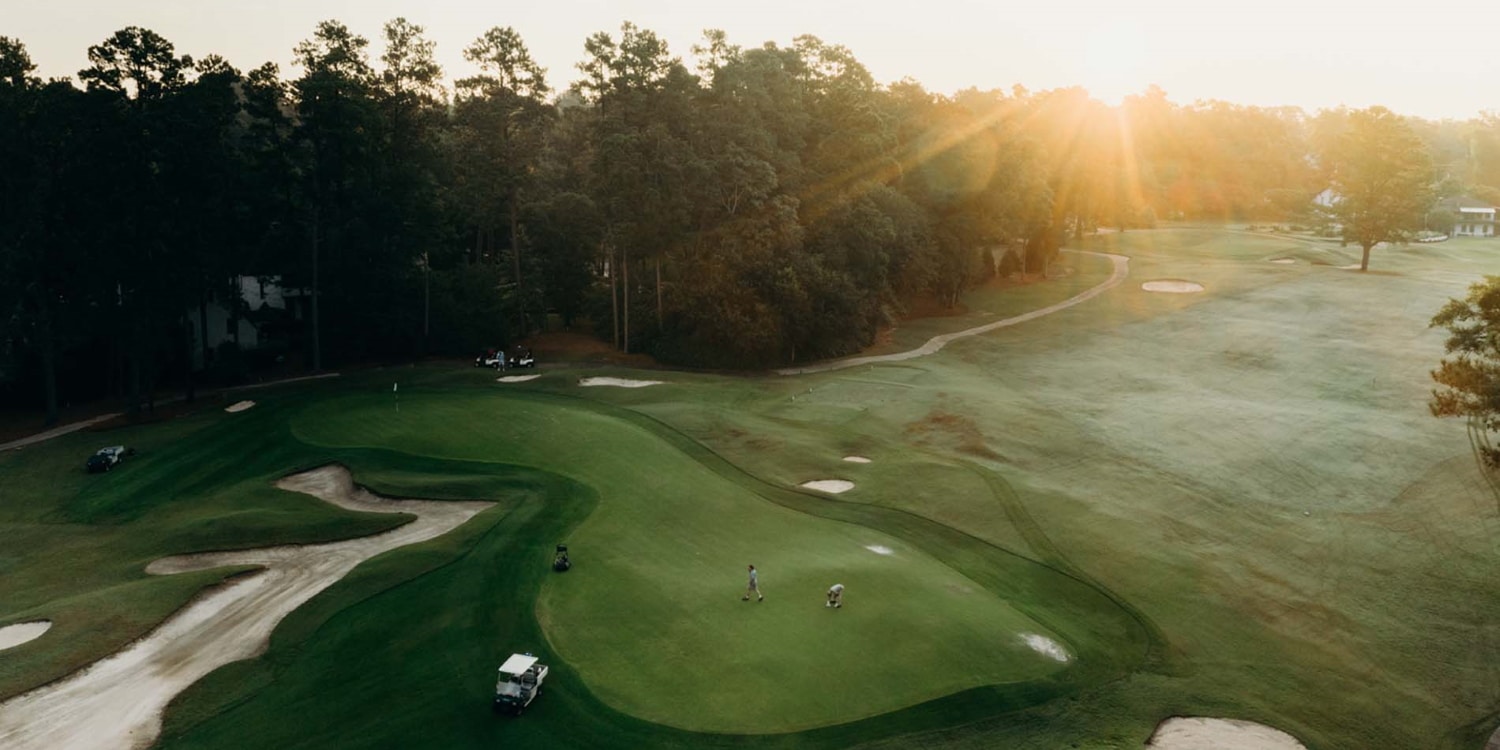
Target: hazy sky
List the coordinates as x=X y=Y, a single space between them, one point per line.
x=1434 y=59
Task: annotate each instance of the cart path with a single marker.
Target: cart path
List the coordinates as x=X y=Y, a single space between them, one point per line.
x=117 y=702
x=936 y=343
x=86 y=423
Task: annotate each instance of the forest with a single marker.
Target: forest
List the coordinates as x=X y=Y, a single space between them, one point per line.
x=751 y=207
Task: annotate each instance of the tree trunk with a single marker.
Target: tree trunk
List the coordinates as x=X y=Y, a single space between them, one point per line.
x=133 y=408
x=515 y=254
x=49 y=371
x=202 y=327
x=234 y=312
x=317 y=344
x=426 y=301
x=187 y=349
x=625 y=282
x=1364 y=261
x=614 y=300
x=658 y=294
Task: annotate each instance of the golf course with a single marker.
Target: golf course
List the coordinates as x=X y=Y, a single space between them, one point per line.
x=1089 y=509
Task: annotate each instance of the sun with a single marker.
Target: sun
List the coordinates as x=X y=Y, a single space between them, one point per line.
x=1115 y=61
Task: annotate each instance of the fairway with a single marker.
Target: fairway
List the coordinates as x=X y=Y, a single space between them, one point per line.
x=1228 y=504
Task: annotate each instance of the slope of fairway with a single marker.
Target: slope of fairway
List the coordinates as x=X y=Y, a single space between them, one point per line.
x=651 y=615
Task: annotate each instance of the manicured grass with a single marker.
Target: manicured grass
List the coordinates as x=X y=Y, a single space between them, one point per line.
x=1230 y=503
x=73 y=546
x=653 y=618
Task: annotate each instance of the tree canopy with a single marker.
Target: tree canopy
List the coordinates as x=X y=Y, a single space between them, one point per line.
x=1469 y=377
x=754 y=207
x=1382 y=178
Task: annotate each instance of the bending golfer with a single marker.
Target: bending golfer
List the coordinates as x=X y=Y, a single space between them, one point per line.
x=753 y=588
x=836 y=595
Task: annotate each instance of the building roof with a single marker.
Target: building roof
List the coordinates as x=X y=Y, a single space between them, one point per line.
x=1465 y=203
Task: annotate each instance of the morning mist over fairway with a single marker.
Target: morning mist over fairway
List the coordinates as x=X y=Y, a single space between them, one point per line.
x=415 y=390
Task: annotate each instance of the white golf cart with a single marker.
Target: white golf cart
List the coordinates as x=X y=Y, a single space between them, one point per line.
x=520 y=680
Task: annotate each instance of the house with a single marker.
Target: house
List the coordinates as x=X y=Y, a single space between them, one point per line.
x=266 y=309
x=1471 y=217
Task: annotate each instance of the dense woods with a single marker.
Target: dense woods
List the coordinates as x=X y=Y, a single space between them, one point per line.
x=752 y=206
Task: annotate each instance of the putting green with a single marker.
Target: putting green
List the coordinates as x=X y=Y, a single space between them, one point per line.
x=651 y=615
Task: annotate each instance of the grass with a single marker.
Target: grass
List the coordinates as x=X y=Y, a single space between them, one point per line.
x=1228 y=504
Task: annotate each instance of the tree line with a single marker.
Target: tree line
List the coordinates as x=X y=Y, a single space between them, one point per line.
x=765 y=206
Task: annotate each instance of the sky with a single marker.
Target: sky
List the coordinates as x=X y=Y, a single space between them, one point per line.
x=1431 y=59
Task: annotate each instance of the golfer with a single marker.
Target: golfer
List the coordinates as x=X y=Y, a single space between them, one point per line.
x=753 y=587
x=836 y=595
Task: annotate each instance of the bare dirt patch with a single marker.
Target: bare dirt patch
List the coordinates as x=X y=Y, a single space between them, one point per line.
x=239 y=406
x=117 y=702
x=24 y=632
x=957 y=430
x=618 y=382
x=1197 y=733
x=1173 y=286
x=831 y=486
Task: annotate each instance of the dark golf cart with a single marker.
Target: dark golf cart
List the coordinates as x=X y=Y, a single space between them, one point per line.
x=106 y=459
x=561 y=562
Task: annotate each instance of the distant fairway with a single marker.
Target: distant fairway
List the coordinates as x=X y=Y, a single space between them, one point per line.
x=1230 y=504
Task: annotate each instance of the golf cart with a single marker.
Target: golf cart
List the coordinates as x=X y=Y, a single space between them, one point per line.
x=520 y=356
x=520 y=680
x=494 y=358
x=561 y=562
x=107 y=458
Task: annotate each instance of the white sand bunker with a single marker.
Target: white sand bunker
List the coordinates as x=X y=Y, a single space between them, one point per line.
x=618 y=382
x=1196 y=733
x=1284 y=261
x=857 y=459
x=1046 y=646
x=1172 y=286
x=239 y=406
x=15 y=635
x=832 y=486
x=1350 y=267
x=880 y=549
x=516 y=378
x=117 y=702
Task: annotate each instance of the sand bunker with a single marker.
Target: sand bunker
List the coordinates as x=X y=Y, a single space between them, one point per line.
x=239 y=406
x=1172 y=286
x=516 y=378
x=832 y=486
x=1046 y=646
x=880 y=549
x=1196 y=733
x=15 y=635
x=618 y=382
x=1284 y=261
x=1350 y=267
x=857 y=459
x=117 y=702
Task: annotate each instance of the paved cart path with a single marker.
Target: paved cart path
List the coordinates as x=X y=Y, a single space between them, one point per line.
x=936 y=343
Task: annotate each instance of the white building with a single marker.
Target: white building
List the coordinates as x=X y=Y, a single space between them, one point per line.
x=1473 y=218
x=262 y=297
